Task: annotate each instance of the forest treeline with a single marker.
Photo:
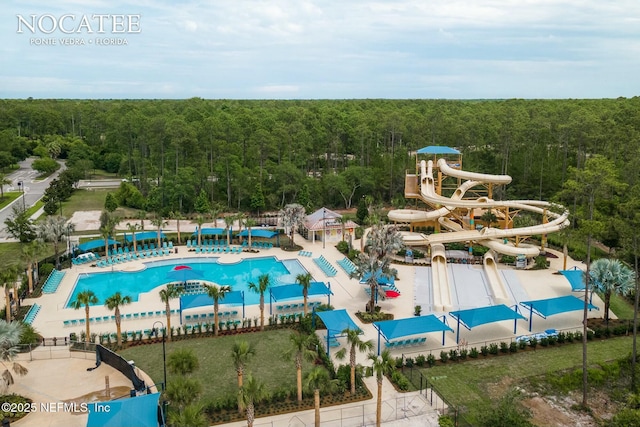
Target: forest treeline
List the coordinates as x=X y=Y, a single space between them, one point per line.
x=260 y=155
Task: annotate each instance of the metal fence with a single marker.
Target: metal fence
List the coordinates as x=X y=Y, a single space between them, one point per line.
x=62 y=349
x=404 y=407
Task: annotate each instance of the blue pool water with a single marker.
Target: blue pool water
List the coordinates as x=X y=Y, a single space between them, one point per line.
x=236 y=275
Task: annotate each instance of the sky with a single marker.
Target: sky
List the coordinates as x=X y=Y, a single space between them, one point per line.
x=320 y=49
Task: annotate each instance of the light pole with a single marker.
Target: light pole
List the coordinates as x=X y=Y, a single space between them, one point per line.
x=164 y=353
x=21 y=187
x=324 y=227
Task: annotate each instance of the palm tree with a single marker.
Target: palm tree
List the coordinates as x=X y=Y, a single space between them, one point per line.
x=229 y=220
x=382 y=365
x=249 y=222
x=191 y=415
x=30 y=254
x=300 y=350
x=353 y=339
x=611 y=276
x=8 y=277
x=10 y=333
x=304 y=280
x=264 y=282
x=141 y=215
x=56 y=230
x=250 y=394
x=240 y=354
x=213 y=213
x=85 y=299
x=114 y=302
x=241 y=218
x=489 y=218
x=133 y=228
x=217 y=293
x=342 y=221
x=200 y=220
x=108 y=224
x=183 y=362
x=318 y=379
x=177 y=215
x=166 y=295
x=158 y=222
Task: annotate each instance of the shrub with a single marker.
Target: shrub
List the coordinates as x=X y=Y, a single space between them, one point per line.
x=533 y=342
x=446 y=421
x=45 y=270
x=431 y=360
x=473 y=353
x=420 y=360
x=493 y=348
x=484 y=350
x=522 y=344
x=464 y=353
x=343 y=247
x=408 y=362
x=453 y=355
x=513 y=347
x=399 y=363
x=504 y=347
x=561 y=337
x=444 y=356
x=544 y=341
x=400 y=380
x=552 y=340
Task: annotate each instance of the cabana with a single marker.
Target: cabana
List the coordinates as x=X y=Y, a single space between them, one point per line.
x=202 y=300
x=287 y=292
x=548 y=307
x=479 y=316
x=140 y=411
x=143 y=235
x=262 y=234
x=336 y=321
x=393 y=329
x=94 y=244
x=211 y=232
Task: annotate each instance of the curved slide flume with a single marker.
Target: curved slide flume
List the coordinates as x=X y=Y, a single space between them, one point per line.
x=440 y=279
x=497 y=285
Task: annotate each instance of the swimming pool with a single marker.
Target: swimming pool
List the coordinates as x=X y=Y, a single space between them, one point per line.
x=237 y=275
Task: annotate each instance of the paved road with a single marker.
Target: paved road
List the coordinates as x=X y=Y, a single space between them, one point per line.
x=33 y=191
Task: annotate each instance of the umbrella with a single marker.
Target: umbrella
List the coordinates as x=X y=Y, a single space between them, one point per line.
x=181 y=267
x=392 y=294
x=184 y=274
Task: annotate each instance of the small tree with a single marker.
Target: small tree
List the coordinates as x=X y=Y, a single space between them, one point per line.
x=300 y=350
x=217 y=293
x=264 y=282
x=10 y=333
x=382 y=365
x=114 y=302
x=610 y=276
x=166 y=295
x=356 y=345
x=292 y=217
x=318 y=379
x=304 y=280
x=183 y=362
x=251 y=393
x=110 y=203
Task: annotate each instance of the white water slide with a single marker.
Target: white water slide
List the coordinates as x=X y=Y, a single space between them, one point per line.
x=440 y=282
x=490 y=237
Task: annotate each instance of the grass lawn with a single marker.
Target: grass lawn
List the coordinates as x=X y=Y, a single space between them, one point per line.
x=621 y=307
x=84 y=200
x=9 y=196
x=468 y=383
x=216 y=372
x=10 y=253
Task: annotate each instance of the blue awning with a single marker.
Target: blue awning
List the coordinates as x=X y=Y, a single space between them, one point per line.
x=94 y=244
x=203 y=300
x=479 y=316
x=336 y=321
x=551 y=306
x=266 y=234
x=392 y=329
x=575 y=276
x=382 y=280
x=437 y=149
x=141 y=411
x=279 y=293
x=143 y=235
x=211 y=232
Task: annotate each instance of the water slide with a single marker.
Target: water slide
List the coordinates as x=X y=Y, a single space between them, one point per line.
x=490 y=237
x=441 y=294
x=497 y=285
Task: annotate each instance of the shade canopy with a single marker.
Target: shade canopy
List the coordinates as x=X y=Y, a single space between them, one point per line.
x=336 y=321
x=184 y=274
x=211 y=232
x=266 y=234
x=143 y=235
x=392 y=329
x=479 y=316
x=382 y=280
x=141 y=411
x=551 y=306
x=575 y=276
x=94 y=244
x=284 y=292
x=437 y=149
x=202 y=300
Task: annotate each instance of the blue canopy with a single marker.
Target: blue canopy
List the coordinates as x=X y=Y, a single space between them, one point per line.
x=141 y=411
x=210 y=232
x=381 y=279
x=93 y=244
x=185 y=274
x=294 y=291
x=392 y=329
x=336 y=321
x=575 y=276
x=551 y=306
x=203 y=300
x=143 y=235
x=267 y=234
x=479 y=316
x=437 y=149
